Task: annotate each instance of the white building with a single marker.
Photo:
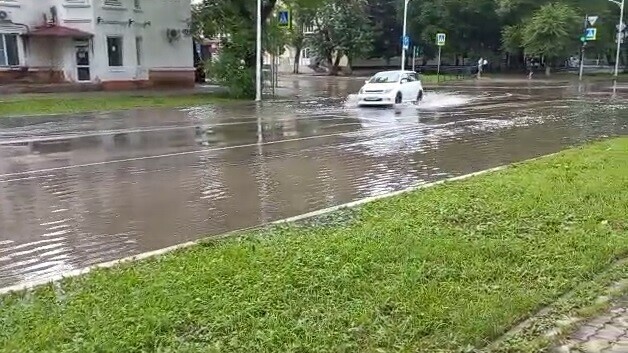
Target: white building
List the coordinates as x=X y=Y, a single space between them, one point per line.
x=118 y=43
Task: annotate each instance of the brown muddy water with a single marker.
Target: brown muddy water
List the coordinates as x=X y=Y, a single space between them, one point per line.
x=84 y=189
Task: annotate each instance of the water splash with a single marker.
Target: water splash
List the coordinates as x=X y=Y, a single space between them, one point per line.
x=351 y=101
x=431 y=101
x=440 y=100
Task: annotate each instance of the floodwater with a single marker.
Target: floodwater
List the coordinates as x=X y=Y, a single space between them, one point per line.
x=85 y=189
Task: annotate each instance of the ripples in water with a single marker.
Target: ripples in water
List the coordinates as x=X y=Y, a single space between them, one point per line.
x=229 y=168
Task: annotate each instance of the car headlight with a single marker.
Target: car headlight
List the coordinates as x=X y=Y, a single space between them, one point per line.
x=361 y=90
x=386 y=91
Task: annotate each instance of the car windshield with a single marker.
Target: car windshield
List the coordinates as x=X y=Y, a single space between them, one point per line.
x=385 y=77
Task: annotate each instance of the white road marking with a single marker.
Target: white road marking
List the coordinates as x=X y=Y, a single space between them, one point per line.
x=176 y=154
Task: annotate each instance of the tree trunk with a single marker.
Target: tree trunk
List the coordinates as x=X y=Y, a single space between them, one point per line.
x=297 y=59
x=349 y=69
x=335 y=65
x=329 y=62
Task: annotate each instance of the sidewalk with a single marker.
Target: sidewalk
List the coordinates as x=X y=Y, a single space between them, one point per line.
x=605 y=334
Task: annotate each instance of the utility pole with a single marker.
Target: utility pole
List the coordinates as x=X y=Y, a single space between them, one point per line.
x=440 y=49
x=405 y=27
x=620 y=29
x=413 y=58
x=584 y=44
x=258 y=54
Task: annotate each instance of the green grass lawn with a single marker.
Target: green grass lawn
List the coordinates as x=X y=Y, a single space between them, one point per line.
x=55 y=104
x=435 y=270
x=433 y=78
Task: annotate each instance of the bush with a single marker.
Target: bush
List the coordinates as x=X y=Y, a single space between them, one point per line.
x=231 y=72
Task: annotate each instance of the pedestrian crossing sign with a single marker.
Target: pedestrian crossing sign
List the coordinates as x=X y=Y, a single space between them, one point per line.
x=284 y=18
x=440 y=39
x=590 y=34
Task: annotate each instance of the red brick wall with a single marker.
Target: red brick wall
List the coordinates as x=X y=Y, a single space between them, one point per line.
x=171 y=78
x=125 y=85
x=31 y=76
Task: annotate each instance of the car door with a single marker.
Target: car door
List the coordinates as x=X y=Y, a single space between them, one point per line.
x=414 y=86
x=406 y=88
x=418 y=82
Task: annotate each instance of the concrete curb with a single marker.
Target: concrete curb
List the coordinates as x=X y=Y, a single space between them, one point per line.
x=79 y=272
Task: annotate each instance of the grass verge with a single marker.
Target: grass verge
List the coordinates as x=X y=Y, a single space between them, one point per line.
x=444 y=269
x=588 y=299
x=431 y=79
x=59 y=104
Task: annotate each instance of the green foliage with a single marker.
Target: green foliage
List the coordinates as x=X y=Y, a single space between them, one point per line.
x=472 y=26
x=384 y=16
x=343 y=28
x=551 y=31
x=512 y=38
x=372 y=28
x=235 y=20
x=275 y=38
x=444 y=269
x=231 y=71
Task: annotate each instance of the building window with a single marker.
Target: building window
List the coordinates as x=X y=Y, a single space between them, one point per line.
x=115 y=3
x=138 y=50
x=136 y=4
x=114 y=51
x=8 y=50
x=305 y=53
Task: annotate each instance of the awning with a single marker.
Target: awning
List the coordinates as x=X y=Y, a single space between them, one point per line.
x=58 y=31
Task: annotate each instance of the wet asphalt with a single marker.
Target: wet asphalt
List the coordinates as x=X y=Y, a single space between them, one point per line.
x=84 y=189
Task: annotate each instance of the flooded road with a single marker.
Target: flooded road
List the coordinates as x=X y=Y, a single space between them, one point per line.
x=81 y=190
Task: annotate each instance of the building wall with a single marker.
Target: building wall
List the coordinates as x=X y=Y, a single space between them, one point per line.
x=20 y=14
x=163 y=60
x=286 y=60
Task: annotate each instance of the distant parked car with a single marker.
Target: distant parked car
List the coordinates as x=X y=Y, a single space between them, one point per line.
x=391 y=87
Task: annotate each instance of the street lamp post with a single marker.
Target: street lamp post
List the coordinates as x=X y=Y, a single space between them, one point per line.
x=619 y=31
x=405 y=25
x=258 y=54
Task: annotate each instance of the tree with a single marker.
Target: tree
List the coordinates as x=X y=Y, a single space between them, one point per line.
x=386 y=27
x=342 y=29
x=233 y=20
x=550 y=33
x=302 y=15
x=512 y=43
x=473 y=27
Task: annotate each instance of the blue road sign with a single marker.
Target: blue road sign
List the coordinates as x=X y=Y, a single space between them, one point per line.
x=284 y=18
x=406 y=42
x=590 y=34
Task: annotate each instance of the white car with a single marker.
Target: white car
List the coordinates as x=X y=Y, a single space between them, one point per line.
x=391 y=87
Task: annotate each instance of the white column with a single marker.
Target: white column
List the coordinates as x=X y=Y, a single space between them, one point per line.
x=619 y=36
x=405 y=24
x=258 y=55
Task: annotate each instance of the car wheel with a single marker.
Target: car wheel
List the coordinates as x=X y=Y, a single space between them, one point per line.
x=419 y=97
x=398 y=98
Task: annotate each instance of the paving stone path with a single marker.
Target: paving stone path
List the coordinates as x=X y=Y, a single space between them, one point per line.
x=604 y=334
